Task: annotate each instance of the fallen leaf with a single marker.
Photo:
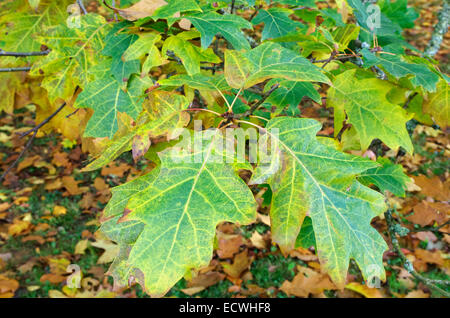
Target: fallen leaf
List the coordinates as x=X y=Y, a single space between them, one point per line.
x=364 y=290
x=240 y=264
x=59 y=210
x=433 y=187
x=306 y=282
x=429 y=257
x=258 y=240
x=228 y=245
x=81 y=246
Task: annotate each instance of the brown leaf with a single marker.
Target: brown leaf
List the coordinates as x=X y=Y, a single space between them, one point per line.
x=118 y=171
x=52 y=278
x=27 y=162
x=417 y=294
x=228 y=245
x=306 y=282
x=8 y=286
x=61 y=159
x=206 y=279
x=142 y=9
x=240 y=264
x=71 y=185
x=434 y=187
x=36 y=238
x=4 y=206
x=100 y=184
x=429 y=257
x=426 y=213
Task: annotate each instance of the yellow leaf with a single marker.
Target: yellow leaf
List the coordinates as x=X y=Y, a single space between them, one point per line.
x=59 y=210
x=364 y=290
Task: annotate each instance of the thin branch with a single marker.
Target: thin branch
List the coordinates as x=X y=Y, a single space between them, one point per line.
x=410 y=98
x=232 y=6
x=15 y=69
x=435 y=229
x=255 y=106
x=80 y=3
x=45 y=121
x=430 y=283
x=439 y=30
x=21 y=54
x=33 y=130
x=27 y=146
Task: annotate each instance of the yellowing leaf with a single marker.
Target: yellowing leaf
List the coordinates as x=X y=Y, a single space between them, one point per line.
x=368 y=110
x=438 y=105
x=269 y=60
x=307 y=176
x=177 y=236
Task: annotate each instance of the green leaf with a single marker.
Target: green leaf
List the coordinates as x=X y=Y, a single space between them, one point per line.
x=173 y=8
x=106 y=97
x=229 y=26
x=387 y=177
x=368 y=110
x=308 y=177
x=197 y=81
x=306 y=237
x=290 y=94
x=73 y=57
x=116 y=43
x=181 y=210
x=269 y=60
x=191 y=55
x=438 y=105
x=276 y=22
x=125 y=232
x=422 y=75
x=23 y=26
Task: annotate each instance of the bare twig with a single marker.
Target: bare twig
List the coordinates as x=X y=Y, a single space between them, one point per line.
x=33 y=130
x=430 y=283
x=255 y=106
x=21 y=54
x=410 y=98
x=435 y=229
x=15 y=69
x=80 y=3
x=27 y=146
x=45 y=121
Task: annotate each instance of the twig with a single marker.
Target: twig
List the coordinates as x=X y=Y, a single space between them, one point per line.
x=435 y=229
x=73 y=113
x=410 y=98
x=15 y=69
x=255 y=106
x=115 y=14
x=255 y=12
x=439 y=30
x=80 y=3
x=430 y=283
x=232 y=6
x=19 y=157
x=45 y=121
x=33 y=130
x=20 y=54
